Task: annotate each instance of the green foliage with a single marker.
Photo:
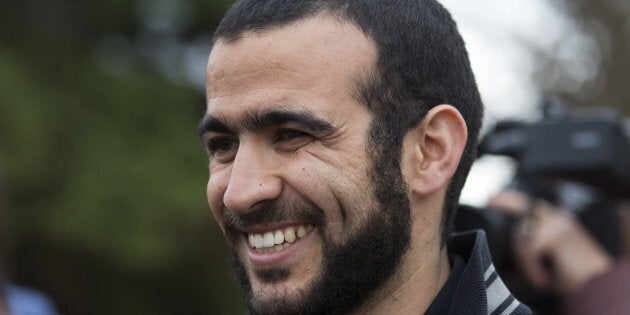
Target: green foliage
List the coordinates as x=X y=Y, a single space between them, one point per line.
x=104 y=174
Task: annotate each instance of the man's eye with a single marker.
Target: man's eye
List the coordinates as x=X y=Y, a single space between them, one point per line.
x=290 y=134
x=221 y=146
x=290 y=139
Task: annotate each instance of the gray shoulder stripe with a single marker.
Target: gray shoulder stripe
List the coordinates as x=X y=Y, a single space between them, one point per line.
x=489 y=271
x=505 y=305
x=511 y=308
x=500 y=300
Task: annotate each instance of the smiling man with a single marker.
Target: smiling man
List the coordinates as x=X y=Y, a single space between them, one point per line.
x=339 y=136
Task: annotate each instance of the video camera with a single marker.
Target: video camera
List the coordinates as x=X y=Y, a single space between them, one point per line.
x=588 y=146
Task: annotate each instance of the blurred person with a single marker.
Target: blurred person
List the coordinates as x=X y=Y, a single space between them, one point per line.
x=3 y=240
x=15 y=299
x=25 y=301
x=556 y=254
x=4 y=310
x=339 y=136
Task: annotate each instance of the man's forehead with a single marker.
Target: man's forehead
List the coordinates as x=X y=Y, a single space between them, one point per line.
x=317 y=50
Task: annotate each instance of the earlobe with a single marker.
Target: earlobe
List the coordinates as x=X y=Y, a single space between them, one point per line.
x=433 y=150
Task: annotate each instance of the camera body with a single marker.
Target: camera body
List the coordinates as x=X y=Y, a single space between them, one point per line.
x=588 y=146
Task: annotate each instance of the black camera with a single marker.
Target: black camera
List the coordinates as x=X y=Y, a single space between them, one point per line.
x=588 y=146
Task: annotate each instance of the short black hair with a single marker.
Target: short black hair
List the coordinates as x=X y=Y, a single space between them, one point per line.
x=422 y=62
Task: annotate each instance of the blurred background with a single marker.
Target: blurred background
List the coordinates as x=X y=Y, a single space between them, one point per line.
x=102 y=177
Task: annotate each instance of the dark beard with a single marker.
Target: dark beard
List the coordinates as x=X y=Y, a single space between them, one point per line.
x=351 y=271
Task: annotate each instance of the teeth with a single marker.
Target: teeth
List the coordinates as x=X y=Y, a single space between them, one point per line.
x=268 y=239
x=289 y=235
x=278 y=240
x=279 y=237
x=301 y=231
x=258 y=241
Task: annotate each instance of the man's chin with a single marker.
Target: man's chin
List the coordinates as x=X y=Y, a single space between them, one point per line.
x=273 y=291
x=272 y=276
x=281 y=280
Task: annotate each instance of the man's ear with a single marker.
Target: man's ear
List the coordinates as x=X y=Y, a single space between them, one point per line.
x=432 y=150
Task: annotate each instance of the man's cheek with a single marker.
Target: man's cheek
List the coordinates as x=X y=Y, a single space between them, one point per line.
x=215 y=201
x=219 y=219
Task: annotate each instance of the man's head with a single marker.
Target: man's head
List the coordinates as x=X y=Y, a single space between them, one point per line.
x=328 y=134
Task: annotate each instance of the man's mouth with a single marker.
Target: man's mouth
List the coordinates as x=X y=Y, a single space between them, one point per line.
x=279 y=239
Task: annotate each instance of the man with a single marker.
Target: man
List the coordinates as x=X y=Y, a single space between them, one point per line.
x=340 y=134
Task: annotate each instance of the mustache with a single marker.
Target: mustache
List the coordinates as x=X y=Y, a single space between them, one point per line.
x=274 y=211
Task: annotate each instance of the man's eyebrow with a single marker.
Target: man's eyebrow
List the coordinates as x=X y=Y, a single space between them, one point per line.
x=212 y=124
x=258 y=120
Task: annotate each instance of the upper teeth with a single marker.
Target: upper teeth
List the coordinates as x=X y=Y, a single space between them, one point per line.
x=279 y=238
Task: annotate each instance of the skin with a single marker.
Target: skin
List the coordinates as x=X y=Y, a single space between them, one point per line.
x=310 y=67
x=552 y=235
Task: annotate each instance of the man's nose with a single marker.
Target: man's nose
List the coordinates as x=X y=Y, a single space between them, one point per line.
x=254 y=179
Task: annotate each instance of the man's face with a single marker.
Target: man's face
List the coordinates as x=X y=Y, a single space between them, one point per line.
x=290 y=182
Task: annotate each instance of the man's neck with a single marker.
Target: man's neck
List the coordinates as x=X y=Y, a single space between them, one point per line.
x=413 y=287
